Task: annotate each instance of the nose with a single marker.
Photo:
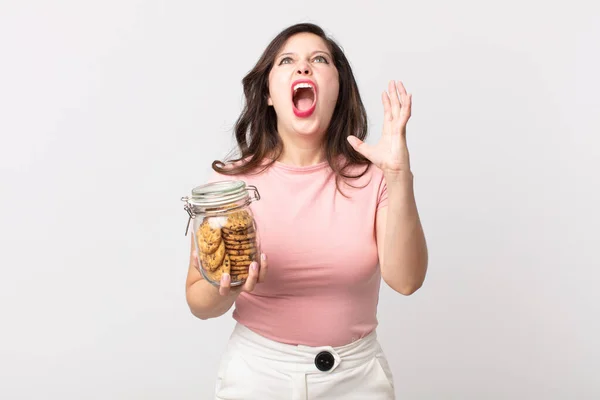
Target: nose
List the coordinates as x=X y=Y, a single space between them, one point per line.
x=304 y=69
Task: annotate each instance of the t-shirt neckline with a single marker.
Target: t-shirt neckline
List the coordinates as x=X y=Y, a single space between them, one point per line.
x=301 y=169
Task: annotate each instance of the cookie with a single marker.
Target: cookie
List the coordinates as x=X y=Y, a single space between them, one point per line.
x=240 y=252
x=239 y=238
x=240 y=232
x=239 y=246
x=215 y=275
x=239 y=277
x=248 y=258
x=238 y=242
x=209 y=237
x=238 y=271
x=240 y=264
x=244 y=264
x=226 y=266
x=244 y=257
x=238 y=221
x=212 y=261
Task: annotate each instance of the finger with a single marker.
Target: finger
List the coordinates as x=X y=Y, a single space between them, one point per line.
x=225 y=284
x=252 y=277
x=264 y=266
x=393 y=92
x=405 y=98
x=387 y=107
x=361 y=147
x=401 y=88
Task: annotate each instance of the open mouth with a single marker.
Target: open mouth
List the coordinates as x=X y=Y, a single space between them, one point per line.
x=304 y=98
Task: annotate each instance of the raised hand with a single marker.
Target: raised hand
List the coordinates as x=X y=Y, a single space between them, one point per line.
x=391 y=152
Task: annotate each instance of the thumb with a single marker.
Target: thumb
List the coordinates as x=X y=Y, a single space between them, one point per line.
x=360 y=146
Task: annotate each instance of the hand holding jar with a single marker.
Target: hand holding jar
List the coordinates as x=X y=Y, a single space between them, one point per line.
x=256 y=274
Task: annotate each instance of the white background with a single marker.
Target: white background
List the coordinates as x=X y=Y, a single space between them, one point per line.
x=111 y=111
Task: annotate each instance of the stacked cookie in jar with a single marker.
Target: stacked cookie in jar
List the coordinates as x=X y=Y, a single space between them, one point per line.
x=224 y=230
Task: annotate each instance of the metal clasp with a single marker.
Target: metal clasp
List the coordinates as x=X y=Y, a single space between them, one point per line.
x=190 y=213
x=254 y=190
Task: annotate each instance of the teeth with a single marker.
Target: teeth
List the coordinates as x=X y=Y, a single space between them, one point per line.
x=302 y=85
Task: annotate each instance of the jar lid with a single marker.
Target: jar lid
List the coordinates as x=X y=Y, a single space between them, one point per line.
x=218 y=193
x=213 y=195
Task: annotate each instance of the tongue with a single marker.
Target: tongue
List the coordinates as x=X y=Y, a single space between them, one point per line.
x=304 y=99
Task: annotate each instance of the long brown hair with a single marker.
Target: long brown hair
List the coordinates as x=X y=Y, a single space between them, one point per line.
x=256 y=128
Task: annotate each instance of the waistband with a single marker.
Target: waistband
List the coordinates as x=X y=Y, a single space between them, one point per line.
x=300 y=358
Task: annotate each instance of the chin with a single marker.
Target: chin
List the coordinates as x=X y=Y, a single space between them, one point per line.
x=308 y=128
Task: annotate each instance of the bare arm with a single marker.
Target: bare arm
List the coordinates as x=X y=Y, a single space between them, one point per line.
x=401 y=241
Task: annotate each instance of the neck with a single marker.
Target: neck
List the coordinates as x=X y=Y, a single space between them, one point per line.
x=302 y=151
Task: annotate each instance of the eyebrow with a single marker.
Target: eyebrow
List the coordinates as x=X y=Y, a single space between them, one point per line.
x=313 y=53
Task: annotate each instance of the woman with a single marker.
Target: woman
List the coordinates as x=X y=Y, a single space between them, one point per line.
x=336 y=215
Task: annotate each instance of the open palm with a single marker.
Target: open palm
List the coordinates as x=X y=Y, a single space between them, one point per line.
x=390 y=153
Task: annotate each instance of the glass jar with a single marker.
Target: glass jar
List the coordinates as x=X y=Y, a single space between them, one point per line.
x=224 y=231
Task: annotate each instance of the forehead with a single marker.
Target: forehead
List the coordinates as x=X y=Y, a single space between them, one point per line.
x=304 y=42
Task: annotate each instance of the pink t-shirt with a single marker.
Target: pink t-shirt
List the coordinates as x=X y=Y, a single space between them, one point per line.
x=323 y=281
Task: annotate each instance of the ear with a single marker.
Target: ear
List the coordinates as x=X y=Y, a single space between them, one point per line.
x=269 y=101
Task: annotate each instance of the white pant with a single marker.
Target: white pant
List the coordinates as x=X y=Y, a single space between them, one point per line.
x=254 y=367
